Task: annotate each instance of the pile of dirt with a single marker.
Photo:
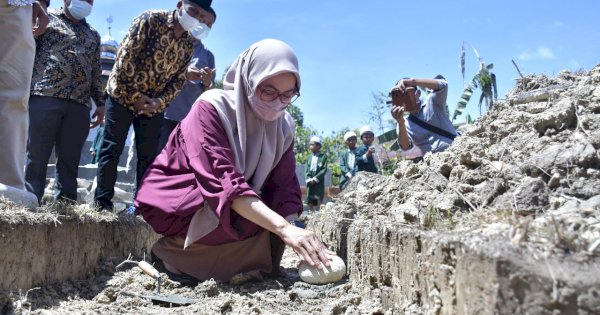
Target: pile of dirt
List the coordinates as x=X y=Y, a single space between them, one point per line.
x=507 y=220
x=529 y=170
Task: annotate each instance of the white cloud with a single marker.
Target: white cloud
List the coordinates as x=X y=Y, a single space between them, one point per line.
x=525 y=56
x=542 y=53
x=545 y=53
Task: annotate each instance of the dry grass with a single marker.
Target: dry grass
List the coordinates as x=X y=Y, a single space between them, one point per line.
x=52 y=213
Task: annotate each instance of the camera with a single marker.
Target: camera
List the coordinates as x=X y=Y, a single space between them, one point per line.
x=405 y=98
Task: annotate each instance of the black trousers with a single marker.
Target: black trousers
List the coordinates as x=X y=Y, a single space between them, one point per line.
x=167 y=127
x=61 y=124
x=117 y=120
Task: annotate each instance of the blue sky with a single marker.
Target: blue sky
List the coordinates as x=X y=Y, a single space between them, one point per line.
x=349 y=49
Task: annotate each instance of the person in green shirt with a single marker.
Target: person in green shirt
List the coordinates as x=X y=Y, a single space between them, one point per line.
x=95 y=148
x=365 y=154
x=316 y=168
x=348 y=165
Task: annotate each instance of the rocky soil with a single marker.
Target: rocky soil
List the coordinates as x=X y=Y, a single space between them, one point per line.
x=507 y=220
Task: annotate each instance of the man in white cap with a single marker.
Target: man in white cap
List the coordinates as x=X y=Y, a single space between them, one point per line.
x=348 y=165
x=316 y=168
x=366 y=153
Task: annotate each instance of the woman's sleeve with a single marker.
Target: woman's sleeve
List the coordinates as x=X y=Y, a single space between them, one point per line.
x=213 y=163
x=281 y=191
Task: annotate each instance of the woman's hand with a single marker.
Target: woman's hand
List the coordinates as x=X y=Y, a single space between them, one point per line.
x=306 y=244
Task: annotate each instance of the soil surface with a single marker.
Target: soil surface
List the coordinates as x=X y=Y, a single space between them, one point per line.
x=110 y=292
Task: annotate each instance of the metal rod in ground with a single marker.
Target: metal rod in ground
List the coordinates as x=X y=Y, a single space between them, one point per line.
x=519 y=71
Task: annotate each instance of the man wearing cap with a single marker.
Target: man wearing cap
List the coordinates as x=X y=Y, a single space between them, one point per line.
x=365 y=154
x=348 y=165
x=149 y=72
x=316 y=168
x=427 y=128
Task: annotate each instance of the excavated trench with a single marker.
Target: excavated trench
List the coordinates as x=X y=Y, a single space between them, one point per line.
x=507 y=221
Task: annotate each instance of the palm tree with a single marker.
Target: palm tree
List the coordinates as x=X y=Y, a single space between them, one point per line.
x=485 y=80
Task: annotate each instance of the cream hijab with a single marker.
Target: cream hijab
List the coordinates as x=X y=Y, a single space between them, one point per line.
x=258 y=145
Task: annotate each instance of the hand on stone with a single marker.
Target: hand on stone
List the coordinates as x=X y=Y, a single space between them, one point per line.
x=307 y=246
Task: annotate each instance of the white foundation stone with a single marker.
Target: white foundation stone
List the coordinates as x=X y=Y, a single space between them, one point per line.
x=335 y=272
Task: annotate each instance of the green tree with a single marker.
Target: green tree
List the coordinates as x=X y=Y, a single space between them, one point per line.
x=332 y=144
x=379 y=114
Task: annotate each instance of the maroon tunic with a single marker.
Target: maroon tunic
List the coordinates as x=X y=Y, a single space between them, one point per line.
x=196 y=166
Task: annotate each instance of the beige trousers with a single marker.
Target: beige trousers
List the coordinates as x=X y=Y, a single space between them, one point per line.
x=17 y=52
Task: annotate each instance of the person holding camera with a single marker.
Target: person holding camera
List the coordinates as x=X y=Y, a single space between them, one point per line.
x=427 y=127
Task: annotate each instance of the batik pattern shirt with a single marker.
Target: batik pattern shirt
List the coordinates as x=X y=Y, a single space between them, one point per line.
x=20 y=3
x=67 y=61
x=151 y=61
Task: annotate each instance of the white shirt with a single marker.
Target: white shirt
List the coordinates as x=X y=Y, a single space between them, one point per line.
x=351 y=159
x=313 y=163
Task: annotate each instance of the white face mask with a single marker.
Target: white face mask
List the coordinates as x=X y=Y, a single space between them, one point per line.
x=79 y=9
x=200 y=31
x=187 y=21
x=267 y=111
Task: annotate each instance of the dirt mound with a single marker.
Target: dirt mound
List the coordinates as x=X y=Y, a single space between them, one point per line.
x=496 y=224
x=532 y=167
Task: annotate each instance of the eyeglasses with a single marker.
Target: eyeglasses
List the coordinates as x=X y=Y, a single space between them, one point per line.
x=269 y=94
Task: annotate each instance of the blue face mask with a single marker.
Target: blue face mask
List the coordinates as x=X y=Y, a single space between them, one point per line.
x=200 y=31
x=79 y=9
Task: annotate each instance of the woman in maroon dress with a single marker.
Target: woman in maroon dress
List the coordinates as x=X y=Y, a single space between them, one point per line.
x=224 y=190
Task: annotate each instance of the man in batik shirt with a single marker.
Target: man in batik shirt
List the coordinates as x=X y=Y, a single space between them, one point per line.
x=149 y=72
x=66 y=77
